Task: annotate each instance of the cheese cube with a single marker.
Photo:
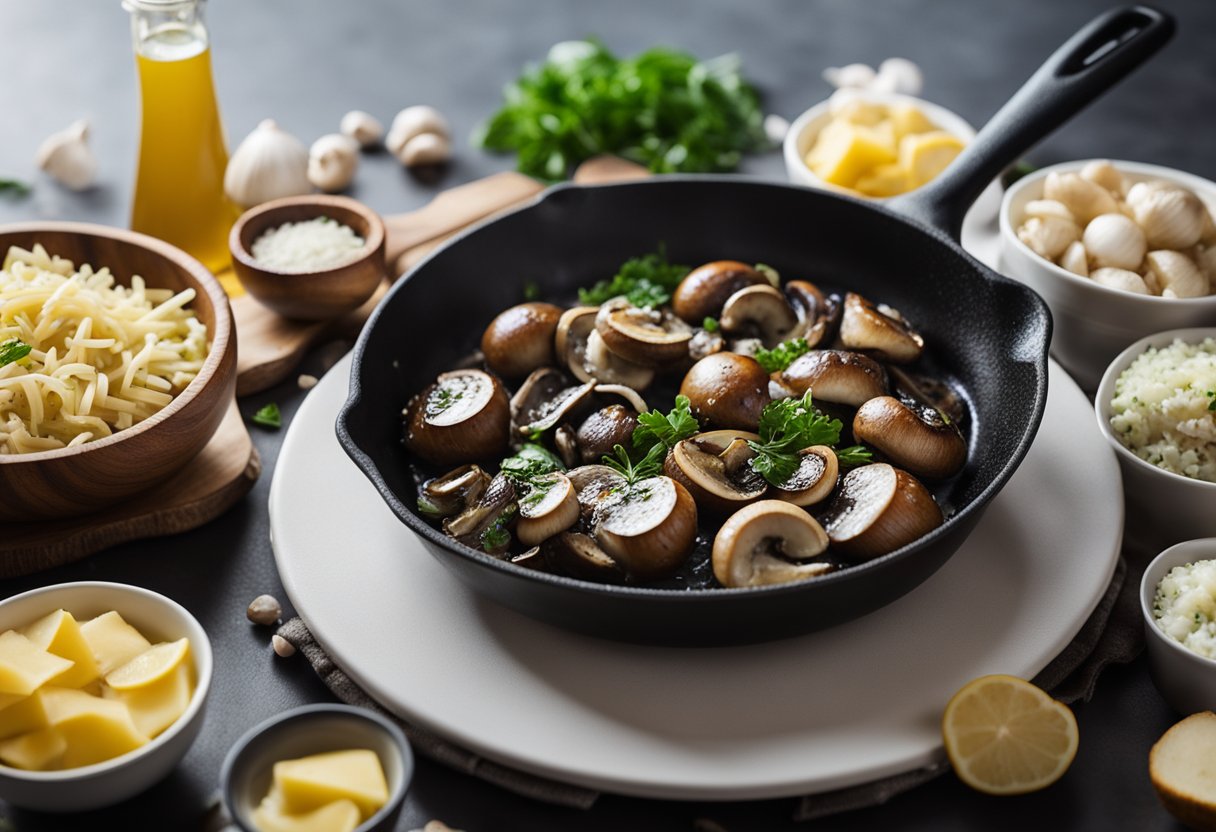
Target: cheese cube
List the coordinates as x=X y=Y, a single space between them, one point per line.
x=885 y=180
x=41 y=750
x=311 y=782
x=338 y=816
x=156 y=706
x=96 y=729
x=113 y=641
x=845 y=151
x=908 y=119
x=24 y=666
x=22 y=717
x=925 y=155
x=58 y=633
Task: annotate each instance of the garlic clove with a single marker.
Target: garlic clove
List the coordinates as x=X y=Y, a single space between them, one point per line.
x=1084 y=199
x=898 y=75
x=67 y=157
x=1208 y=236
x=1104 y=174
x=1177 y=274
x=425 y=149
x=1172 y=216
x=1048 y=236
x=363 y=127
x=1075 y=259
x=1048 y=208
x=1205 y=258
x=1114 y=241
x=852 y=76
x=413 y=122
x=332 y=161
x=270 y=163
x=1122 y=279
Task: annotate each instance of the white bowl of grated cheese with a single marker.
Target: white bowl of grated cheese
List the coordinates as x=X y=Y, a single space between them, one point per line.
x=1156 y=405
x=1178 y=603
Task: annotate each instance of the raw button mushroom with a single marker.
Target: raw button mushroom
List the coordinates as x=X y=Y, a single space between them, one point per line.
x=836 y=376
x=520 y=339
x=649 y=528
x=464 y=415
x=814 y=478
x=879 y=508
x=648 y=337
x=880 y=330
x=704 y=290
x=727 y=390
x=763 y=543
x=761 y=312
x=921 y=439
x=551 y=508
x=713 y=467
x=581 y=348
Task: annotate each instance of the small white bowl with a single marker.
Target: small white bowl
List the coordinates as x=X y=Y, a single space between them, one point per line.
x=158 y=618
x=1178 y=507
x=805 y=129
x=1186 y=680
x=1092 y=322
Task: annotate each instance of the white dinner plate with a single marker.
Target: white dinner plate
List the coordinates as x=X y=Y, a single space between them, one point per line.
x=832 y=709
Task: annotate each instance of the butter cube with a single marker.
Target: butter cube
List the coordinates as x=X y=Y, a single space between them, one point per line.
x=156 y=706
x=308 y=783
x=41 y=750
x=338 y=816
x=908 y=119
x=845 y=151
x=96 y=729
x=113 y=641
x=885 y=180
x=24 y=666
x=22 y=717
x=925 y=155
x=58 y=633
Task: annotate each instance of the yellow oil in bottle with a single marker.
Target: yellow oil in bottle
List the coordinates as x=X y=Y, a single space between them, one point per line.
x=179 y=186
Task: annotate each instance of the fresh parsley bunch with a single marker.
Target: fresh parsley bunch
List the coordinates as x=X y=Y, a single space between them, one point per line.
x=789 y=425
x=782 y=355
x=646 y=281
x=655 y=435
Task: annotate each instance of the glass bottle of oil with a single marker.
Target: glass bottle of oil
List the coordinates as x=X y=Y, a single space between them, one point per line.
x=179 y=184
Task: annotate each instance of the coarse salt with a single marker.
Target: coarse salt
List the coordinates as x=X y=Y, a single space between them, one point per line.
x=307 y=246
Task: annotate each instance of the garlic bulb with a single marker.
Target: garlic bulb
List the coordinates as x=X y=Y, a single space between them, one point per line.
x=67 y=157
x=425 y=149
x=1085 y=199
x=1047 y=208
x=332 y=161
x=363 y=127
x=853 y=76
x=1075 y=259
x=270 y=163
x=1177 y=275
x=1122 y=279
x=898 y=75
x=1048 y=236
x=1171 y=216
x=1105 y=175
x=1115 y=241
x=415 y=121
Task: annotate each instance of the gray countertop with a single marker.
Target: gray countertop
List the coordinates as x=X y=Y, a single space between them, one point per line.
x=306 y=62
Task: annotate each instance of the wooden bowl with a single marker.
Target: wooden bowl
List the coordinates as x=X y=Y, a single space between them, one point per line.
x=88 y=477
x=316 y=295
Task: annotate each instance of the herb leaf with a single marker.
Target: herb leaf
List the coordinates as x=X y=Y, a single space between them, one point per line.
x=710 y=325
x=529 y=462
x=656 y=428
x=647 y=281
x=13 y=350
x=786 y=427
x=269 y=417
x=648 y=466
x=14 y=186
x=854 y=455
x=782 y=355
x=1211 y=395
x=497 y=537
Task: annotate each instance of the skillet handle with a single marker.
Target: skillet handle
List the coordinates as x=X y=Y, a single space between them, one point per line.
x=1092 y=61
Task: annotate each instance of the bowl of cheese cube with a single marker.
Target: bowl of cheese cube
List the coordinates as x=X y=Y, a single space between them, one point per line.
x=318 y=768
x=102 y=691
x=873 y=145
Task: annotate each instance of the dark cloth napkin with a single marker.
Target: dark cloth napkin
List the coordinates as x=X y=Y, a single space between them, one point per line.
x=1112 y=635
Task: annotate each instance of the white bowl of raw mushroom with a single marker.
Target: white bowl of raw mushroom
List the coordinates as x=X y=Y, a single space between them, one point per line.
x=1119 y=250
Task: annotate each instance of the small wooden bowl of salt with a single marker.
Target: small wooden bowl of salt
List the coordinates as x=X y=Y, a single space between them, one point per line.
x=309 y=257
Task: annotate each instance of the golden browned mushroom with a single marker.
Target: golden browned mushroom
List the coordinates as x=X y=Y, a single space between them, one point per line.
x=813 y=479
x=649 y=337
x=713 y=467
x=549 y=508
x=606 y=427
x=763 y=543
x=836 y=376
x=727 y=390
x=879 y=330
x=818 y=314
x=759 y=312
x=520 y=339
x=649 y=528
x=878 y=509
x=545 y=399
x=703 y=292
x=919 y=439
x=581 y=348
x=453 y=492
x=463 y=415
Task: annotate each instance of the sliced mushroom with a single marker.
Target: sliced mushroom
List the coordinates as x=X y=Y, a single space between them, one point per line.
x=531 y=559
x=565 y=440
x=814 y=478
x=495 y=506
x=880 y=330
x=463 y=415
x=915 y=389
x=713 y=467
x=703 y=292
x=727 y=390
x=549 y=508
x=921 y=439
x=453 y=492
x=818 y=314
x=581 y=348
x=760 y=544
x=520 y=339
x=878 y=509
x=631 y=396
x=761 y=312
x=606 y=427
x=650 y=528
x=579 y=556
x=649 y=337
x=595 y=486
x=836 y=376
x=545 y=399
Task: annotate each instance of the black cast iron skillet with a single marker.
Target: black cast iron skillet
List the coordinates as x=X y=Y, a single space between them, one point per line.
x=987 y=334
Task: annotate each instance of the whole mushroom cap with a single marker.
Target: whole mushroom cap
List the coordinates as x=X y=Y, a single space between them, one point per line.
x=520 y=339
x=463 y=415
x=727 y=390
x=703 y=292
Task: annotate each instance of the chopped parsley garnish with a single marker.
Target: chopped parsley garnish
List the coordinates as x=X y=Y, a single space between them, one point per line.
x=425 y=506
x=1211 y=404
x=441 y=400
x=650 y=465
x=269 y=416
x=854 y=455
x=13 y=350
x=786 y=427
x=710 y=325
x=782 y=355
x=529 y=470
x=656 y=428
x=646 y=281
x=497 y=537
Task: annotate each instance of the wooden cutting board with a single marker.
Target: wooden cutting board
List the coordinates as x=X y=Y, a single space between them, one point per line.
x=270 y=347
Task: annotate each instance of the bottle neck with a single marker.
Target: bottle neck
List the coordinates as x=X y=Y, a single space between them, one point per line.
x=167 y=30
